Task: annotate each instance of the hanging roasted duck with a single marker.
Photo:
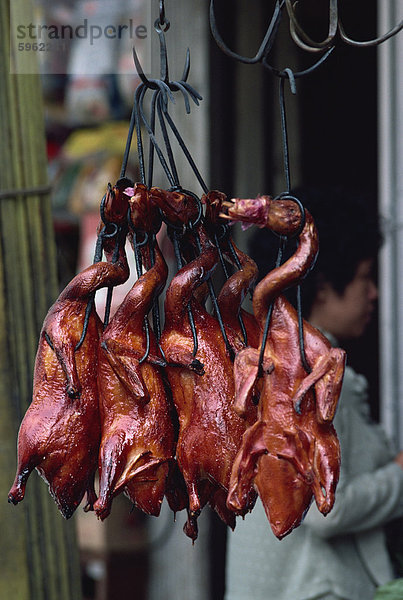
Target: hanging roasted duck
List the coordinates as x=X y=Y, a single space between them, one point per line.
x=138 y=439
x=292 y=451
x=60 y=432
x=201 y=378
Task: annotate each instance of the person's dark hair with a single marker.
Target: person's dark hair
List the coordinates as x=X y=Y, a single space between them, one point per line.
x=349 y=232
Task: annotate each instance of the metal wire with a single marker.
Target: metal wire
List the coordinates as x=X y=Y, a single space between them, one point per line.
x=270 y=310
x=284 y=135
x=299 y=36
x=304 y=359
x=213 y=297
x=292 y=75
x=159 y=104
x=266 y=44
x=151 y=148
x=156 y=309
x=139 y=269
x=185 y=150
x=235 y=258
x=97 y=258
x=163 y=90
x=108 y=302
x=302 y=39
x=179 y=264
x=336 y=27
x=163 y=93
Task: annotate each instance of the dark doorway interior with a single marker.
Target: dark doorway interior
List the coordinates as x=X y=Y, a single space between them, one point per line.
x=338 y=144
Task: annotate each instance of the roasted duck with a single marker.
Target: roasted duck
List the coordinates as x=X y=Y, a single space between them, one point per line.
x=202 y=382
x=60 y=432
x=292 y=450
x=138 y=439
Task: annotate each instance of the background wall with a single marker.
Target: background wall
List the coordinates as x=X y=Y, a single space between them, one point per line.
x=390 y=166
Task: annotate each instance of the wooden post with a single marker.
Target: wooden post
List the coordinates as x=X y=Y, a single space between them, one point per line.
x=39 y=558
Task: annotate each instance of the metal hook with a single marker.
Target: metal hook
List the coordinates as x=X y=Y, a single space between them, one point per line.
x=162 y=19
x=116 y=230
x=286 y=73
x=288 y=196
x=151 y=146
x=184 y=227
x=266 y=44
x=154 y=142
x=335 y=26
x=160 y=101
x=162 y=25
x=368 y=43
x=102 y=206
x=302 y=39
x=186 y=68
x=153 y=83
x=163 y=50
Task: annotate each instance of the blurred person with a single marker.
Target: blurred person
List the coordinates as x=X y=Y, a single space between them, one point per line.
x=343 y=556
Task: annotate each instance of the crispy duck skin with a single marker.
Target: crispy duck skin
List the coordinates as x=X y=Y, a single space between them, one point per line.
x=292 y=451
x=210 y=432
x=60 y=432
x=280 y=215
x=138 y=439
x=232 y=295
